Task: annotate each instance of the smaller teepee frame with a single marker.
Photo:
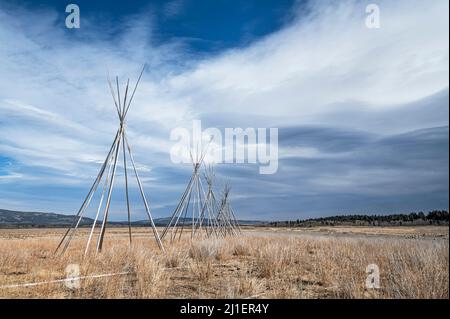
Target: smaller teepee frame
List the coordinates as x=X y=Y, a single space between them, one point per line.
x=190 y=211
x=119 y=145
x=226 y=217
x=200 y=211
x=208 y=218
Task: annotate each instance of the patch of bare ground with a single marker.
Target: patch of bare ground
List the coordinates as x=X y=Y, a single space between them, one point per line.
x=261 y=263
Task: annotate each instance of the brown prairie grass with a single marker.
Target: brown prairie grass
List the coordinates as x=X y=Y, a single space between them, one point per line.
x=256 y=265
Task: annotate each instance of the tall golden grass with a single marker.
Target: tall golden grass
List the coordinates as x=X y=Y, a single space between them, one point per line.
x=253 y=266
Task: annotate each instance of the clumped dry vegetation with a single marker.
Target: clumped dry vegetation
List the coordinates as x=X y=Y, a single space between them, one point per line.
x=257 y=265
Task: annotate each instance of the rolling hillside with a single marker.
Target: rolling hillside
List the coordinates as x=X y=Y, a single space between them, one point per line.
x=20 y=219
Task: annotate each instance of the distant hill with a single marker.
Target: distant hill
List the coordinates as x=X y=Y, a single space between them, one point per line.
x=20 y=219
x=10 y=218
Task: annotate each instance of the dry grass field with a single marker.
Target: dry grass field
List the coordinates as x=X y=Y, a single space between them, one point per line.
x=263 y=263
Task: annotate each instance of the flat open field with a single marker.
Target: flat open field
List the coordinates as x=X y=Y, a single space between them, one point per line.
x=319 y=262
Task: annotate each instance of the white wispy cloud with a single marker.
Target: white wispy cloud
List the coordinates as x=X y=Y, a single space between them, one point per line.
x=330 y=57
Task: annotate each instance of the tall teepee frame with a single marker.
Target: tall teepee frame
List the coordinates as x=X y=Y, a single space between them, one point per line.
x=107 y=174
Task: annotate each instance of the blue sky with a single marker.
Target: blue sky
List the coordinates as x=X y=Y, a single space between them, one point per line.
x=362 y=113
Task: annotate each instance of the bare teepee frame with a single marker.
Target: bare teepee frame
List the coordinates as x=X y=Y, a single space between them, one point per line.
x=208 y=216
x=226 y=217
x=119 y=145
x=191 y=205
x=201 y=209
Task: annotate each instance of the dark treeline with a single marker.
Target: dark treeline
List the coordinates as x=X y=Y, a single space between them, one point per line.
x=435 y=217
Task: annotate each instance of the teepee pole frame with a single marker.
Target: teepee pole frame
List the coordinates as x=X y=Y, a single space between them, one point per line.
x=119 y=145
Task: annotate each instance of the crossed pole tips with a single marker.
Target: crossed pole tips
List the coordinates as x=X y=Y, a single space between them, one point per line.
x=107 y=175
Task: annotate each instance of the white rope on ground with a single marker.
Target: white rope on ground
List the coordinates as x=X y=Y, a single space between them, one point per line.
x=31 y=284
